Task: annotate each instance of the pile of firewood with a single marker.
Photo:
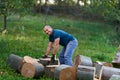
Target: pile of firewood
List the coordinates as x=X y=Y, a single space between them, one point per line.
x=83 y=68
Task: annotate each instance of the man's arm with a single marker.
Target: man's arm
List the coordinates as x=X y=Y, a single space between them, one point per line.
x=48 y=48
x=56 y=45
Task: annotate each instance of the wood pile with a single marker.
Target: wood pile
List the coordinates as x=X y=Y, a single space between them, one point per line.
x=83 y=68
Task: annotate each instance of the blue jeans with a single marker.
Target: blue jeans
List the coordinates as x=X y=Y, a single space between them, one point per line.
x=65 y=55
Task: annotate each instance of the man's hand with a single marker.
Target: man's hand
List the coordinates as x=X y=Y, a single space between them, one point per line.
x=44 y=56
x=53 y=58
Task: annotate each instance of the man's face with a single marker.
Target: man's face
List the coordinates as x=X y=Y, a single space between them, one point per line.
x=48 y=30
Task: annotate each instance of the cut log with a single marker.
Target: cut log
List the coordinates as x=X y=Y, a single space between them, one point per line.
x=85 y=72
x=15 y=62
x=32 y=70
x=116 y=64
x=107 y=72
x=28 y=59
x=82 y=60
x=47 y=61
x=49 y=70
x=58 y=69
x=115 y=77
x=98 y=66
x=69 y=73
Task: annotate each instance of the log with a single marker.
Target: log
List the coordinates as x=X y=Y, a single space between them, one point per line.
x=32 y=70
x=28 y=59
x=15 y=62
x=98 y=67
x=85 y=72
x=47 y=61
x=49 y=70
x=69 y=73
x=116 y=64
x=107 y=72
x=115 y=77
x=58 y=69
x=82 y=60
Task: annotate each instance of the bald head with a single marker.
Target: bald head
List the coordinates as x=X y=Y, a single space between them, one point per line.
x=47 y=29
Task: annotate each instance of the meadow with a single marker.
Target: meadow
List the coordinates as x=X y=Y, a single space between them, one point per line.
x=25 y=36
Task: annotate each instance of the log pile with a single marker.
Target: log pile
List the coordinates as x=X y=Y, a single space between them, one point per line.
x=83 y=68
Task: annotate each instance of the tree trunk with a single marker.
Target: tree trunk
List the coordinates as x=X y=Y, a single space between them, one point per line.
x=85 y=72
x=115 y=77
x=58 y=69
x=82 y=60
x=15 y=62
x=5 y=22
x=107 y=72
x=32 y=70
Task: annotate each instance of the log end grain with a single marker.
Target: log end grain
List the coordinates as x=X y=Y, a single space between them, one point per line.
x=68 y=74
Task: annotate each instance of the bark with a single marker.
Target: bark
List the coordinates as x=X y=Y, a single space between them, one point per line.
x=15 y=62
x=85 y=73
x=107 y=72
x=82 y=60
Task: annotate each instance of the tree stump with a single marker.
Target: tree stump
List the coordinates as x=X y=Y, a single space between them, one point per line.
x=15 y=62
x=47 y=61
x=69 y=73
x=58 y=69
x=32 y=70
x=115 y=77
x=85 y=73
x=82 y=60
x=49 y=70
x=107 y=72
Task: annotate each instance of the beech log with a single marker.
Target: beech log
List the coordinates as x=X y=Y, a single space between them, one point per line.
x=15 y=62
x=115 y=77
x=28 y=59
x=58 y=69
x=69 y=73
x=107 y=72
x=82 y=60
x=85 y=72
x=116 y=64
x=98 y=67
x=49 y=70
x=32 y=70
x=47 y=61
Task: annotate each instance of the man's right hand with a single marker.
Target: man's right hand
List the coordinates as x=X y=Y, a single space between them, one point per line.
x=44 y=56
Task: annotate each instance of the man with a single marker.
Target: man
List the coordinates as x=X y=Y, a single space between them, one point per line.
x=59 y=37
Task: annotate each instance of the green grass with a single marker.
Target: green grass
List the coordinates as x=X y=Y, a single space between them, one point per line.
x=26 y=37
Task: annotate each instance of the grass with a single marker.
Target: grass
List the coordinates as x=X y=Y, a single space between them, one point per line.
x=25 y=37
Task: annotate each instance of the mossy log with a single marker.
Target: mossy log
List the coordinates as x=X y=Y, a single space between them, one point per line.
x=32 y=70
x=107 y=72
x=85 y=73
x=15 y=62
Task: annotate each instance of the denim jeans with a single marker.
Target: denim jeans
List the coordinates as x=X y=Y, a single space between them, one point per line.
x=65 y=55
